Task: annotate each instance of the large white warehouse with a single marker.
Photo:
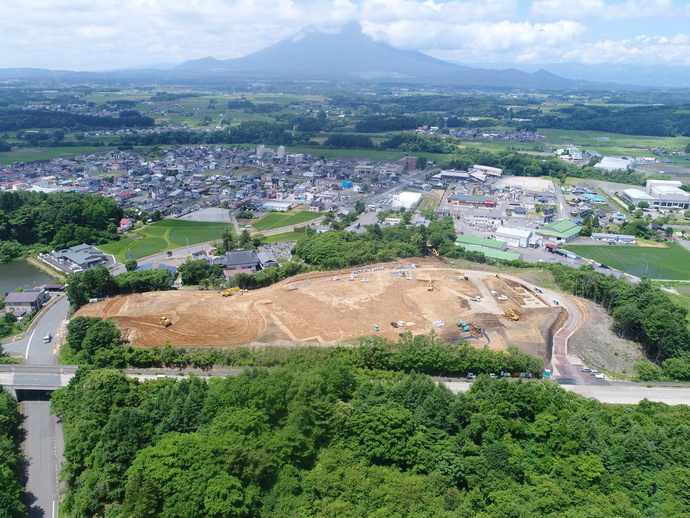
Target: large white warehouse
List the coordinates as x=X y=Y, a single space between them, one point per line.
x=408 y=200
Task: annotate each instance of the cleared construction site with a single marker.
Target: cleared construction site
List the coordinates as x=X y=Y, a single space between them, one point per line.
x=327 y=308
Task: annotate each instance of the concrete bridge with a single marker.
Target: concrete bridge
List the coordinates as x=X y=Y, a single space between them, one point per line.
x=35 y=377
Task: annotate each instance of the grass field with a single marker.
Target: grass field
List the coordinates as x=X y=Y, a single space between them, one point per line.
x=285 y=219
x=163 y=235
x=617 y=143
x=672 y=262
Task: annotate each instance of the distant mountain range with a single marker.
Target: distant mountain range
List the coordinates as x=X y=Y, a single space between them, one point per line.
x=352 y=57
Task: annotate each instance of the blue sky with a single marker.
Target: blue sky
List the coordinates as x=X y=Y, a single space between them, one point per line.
x=108 y=34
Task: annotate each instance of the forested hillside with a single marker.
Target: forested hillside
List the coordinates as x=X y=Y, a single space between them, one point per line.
x=327 y=439
x=57 y=220
x=11 y=505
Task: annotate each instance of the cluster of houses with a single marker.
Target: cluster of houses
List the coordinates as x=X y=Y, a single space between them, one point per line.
x=193 y=177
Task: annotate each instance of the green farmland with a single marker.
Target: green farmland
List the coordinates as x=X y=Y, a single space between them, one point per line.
x=670 y=262
x=285 y=219
x=163 y=235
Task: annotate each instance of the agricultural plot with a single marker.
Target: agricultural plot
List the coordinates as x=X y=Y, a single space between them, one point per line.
x=670 y=262
x=163 y=235
x=285 y=219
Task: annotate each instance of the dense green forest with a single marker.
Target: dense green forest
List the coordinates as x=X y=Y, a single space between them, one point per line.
x=11 y=504
x=642 y=312
x=330 y=440
x=54 y=221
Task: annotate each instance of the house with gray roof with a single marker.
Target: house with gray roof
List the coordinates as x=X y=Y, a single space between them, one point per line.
x=238 y=259
x=80 y=257
x=26 y=301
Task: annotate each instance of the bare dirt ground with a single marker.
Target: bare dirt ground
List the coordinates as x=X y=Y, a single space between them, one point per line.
x=599 y=347
x=318 y=308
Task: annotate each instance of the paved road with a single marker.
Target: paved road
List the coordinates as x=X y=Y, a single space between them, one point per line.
x=43 y=450
x=629 y=394
x=42 y=444
x=31 y=347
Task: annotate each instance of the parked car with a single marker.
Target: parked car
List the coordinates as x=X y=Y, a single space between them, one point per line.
x=600 y=376
x=586 y=369
x=471 y=376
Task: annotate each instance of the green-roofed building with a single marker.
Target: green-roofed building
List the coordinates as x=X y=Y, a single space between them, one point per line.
x=560 y=231
x=492 y=253
x=480 y=241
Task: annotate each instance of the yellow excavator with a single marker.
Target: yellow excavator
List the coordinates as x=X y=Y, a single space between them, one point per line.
x=512 y=315
x=230 y=291
x=430 y=286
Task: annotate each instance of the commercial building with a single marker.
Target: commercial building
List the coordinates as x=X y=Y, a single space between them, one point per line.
x=467 y=199
x=560 y=231
x=463 y=240
x=519 y=237
x=492 y=253
x=623 y=239
x=407 y=200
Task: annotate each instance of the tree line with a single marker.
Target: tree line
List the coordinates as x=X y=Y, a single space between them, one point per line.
x=13 y=119
x=97 y=283
x=56 y=220
x=11 y=501
x=330 y=439
x=92 y=341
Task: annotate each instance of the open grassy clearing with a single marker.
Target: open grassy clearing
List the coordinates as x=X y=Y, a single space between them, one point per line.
x=163 y=235
x=32 y=154
x=670 y=262
x=617 y=143
x=285 y=219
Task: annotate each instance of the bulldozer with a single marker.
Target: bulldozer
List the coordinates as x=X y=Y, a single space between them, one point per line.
x=230 y=291
x=165 y=321
x=512 y=315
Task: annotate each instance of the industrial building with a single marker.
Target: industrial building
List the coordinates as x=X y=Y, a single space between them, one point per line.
x=406 y=200
x=563 y=230
x=520 y=237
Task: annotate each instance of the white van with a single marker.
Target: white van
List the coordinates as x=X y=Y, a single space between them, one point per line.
x=47 y=338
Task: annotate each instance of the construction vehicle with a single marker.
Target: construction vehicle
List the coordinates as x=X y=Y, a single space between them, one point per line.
x=430 y=286
x=230 y=291
x=434 y=252
x=464 y=325
x=512 y=315
x=165 y=321
x=376 y=328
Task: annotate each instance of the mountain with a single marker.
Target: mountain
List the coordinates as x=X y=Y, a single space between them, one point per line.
x=657 y=76
x=351 y=56
x=345 y=56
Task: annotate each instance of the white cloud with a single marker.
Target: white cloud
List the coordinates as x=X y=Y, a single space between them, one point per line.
x=477 y=41
x=600 y=9
x=106 y=34
x=657 y=50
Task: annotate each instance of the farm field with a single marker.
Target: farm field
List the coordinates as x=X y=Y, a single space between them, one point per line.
x=671 y=262
x=285 y=219
x=47 y=153
x=163 y=235
x=617 y=143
